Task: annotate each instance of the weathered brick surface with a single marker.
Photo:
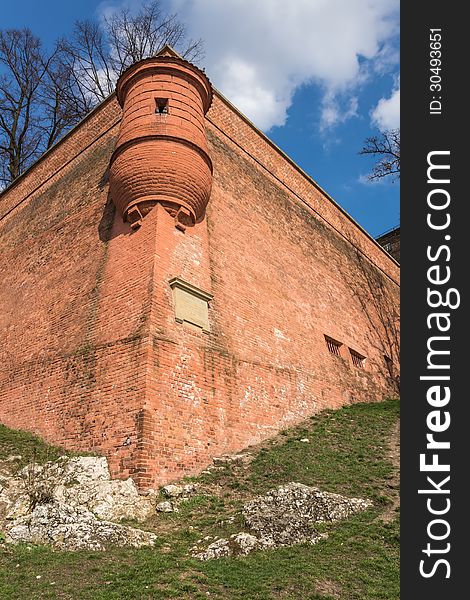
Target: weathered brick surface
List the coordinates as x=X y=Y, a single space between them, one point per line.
x=278 y=166
x=92 y=356
x=74 y=300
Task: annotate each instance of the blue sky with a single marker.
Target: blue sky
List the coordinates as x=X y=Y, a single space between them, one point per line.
x=317 y=76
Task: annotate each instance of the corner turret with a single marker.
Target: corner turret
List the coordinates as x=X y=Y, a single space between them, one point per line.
x=161 y=154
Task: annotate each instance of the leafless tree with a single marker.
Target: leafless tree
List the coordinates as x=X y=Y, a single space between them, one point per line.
x=134 y=37
x=61 y=105
x=98 y=53
x=23 y=68
x=385 y=147
x=34 y=109
x=86 y=62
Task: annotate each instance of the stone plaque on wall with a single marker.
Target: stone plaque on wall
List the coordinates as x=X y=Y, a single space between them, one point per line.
x=191 y=304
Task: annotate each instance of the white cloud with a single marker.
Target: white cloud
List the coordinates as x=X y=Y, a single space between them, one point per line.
x=258 y=52
x=334 y=111
x=387 y=58
x=239 y=81
x=107 y=8
x=386 y=115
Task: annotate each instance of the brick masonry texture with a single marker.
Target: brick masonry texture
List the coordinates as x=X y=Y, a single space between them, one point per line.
x=92 y=357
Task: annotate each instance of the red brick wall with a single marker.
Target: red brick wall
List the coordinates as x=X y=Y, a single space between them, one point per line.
x=74 y=301
x=282 y=279
x=92 y=355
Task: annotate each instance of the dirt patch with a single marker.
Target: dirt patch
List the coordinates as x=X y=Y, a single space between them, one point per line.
x=393 y=455
x=328 y=588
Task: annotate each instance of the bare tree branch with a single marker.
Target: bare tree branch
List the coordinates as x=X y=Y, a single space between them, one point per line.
x=99 y=54
x=386 y=149
x=24 y=67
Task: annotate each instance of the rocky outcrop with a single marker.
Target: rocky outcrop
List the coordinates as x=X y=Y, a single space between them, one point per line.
x=286 y=515
x=73 y=503
x=239 y=544
x=179 y=492
x=175 y=494
x=89 y=484
x=82 y=481
x=73 y=528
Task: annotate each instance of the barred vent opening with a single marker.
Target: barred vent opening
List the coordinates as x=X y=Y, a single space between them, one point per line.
x=357 y=359
x=333 y=346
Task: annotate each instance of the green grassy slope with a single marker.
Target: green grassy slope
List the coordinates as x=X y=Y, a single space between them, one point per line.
x=348 y=452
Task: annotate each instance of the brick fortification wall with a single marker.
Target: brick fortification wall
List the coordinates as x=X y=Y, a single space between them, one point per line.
x=92 y=356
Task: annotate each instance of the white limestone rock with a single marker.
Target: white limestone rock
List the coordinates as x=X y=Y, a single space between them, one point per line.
x=284 y=516
x=73 y=528
x=114 y=499
x=172 y=491
x=79 y=498
x=165 y=506
x=238 y=544
x=179 y=491
x=79 y=481
x=86 y=469
x=288 y=514
x=245 y=543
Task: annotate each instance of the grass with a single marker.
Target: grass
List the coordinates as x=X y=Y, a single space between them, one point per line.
x=25 y=447
x=347 y=453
